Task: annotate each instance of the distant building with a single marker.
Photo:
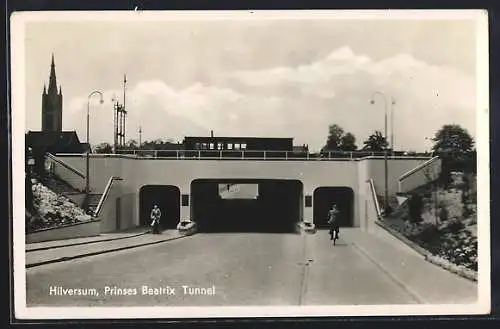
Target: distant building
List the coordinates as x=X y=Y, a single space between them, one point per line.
x=238 y=143
x=55 y=142
x=52 y=138
x=301 y=148
x=52 y=103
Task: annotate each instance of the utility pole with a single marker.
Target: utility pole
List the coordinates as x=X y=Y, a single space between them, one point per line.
x=386 y=166
x=124 y=108
x=392 y=124
x=120 y=118
x=140 y=137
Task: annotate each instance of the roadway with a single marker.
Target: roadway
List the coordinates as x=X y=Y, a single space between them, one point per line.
x=245 y=269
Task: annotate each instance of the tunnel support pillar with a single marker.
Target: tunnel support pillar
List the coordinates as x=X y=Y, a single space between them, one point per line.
x=307 y=204
x=186 y=201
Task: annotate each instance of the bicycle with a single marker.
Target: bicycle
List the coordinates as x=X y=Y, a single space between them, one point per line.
x=334 y=234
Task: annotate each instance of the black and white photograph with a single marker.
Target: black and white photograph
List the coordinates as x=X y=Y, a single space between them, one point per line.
x=250 y=164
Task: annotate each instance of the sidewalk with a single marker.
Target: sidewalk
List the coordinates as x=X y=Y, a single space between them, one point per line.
x=30 y=247
x=427 y=282
x=72 y=250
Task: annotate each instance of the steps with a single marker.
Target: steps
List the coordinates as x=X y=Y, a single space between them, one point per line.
x=87 y=202
x=91 y=202
x=395 y=205
x=393 y=201
x=59 y=186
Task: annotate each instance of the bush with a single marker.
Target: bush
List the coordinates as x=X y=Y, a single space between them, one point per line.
x=453 y=226
x=388 y=210
x=445 y=179
x=466 y=183
x=443 y=214
x=466 y=211
x=472 y=221
x=465 y=197
x=415 y=205
x=429 y=234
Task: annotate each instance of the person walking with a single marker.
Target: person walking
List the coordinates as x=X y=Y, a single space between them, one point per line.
x=155 y=219
x=333 y=223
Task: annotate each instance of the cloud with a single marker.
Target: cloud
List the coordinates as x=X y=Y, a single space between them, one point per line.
x=297 y=102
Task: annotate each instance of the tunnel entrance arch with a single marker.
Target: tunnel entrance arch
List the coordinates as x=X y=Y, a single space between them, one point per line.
x=246 y=205
x=323 y=199
x=167 y=197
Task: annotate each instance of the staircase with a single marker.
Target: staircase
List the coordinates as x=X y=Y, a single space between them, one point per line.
x=59 y=186
x=393 y=204
x=91 y=202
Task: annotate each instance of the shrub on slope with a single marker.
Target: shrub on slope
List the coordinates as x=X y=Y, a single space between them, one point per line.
x=52 y=210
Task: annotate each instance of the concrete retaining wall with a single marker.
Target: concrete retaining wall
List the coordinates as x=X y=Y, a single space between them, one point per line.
x=74 y=176
x=79 y=230
x=420 y=175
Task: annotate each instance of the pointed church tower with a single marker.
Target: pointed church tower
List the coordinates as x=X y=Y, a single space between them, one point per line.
x=52 y=103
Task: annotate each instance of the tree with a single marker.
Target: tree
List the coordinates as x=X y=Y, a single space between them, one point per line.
x=376 y=142
x=333 y=142
x=105 y=148
x=455 y=147
x=453 y=139
x=132 y=144
x=156 y=144
x=348 y=142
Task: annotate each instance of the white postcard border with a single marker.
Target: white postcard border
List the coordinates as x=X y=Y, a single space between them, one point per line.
x=18 y=21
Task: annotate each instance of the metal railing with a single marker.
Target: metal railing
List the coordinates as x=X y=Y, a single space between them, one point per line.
x=105 y=194
x=52 y=158
x=259 y=155
x=375 y=198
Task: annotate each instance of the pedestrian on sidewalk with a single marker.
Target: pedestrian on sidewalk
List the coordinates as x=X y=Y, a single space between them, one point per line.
x=333 y=223
x=155 y=219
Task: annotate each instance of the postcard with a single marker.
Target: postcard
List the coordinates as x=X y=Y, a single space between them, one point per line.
x=250 y=164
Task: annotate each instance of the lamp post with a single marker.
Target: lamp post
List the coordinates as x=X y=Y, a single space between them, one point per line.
x=101 y=100
x=386 y=169
x=392 y=124
x=433 y=180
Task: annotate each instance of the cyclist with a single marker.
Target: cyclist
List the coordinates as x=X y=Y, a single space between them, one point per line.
x=155 y=219
x=333 y=223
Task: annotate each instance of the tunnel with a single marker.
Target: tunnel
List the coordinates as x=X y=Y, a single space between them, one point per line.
x=246 y=205
x=325 y=197
x=167 y=197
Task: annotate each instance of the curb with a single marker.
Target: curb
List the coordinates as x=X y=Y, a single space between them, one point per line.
x=64 y=259
x=88 y=242
x=399 y=282
x=429 y=257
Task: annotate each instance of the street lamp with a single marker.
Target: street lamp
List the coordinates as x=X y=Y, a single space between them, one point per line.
x=101 y=100
x=392 y=124
x=386 y=169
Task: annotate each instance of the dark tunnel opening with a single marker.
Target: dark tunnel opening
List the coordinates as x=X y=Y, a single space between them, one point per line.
x=243 y=205
x=325 y=197
x=167 y=197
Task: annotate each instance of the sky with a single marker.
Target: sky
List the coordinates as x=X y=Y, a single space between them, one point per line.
x=258 y=77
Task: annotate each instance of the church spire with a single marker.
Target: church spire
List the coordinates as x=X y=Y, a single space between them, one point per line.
x=52 y=79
